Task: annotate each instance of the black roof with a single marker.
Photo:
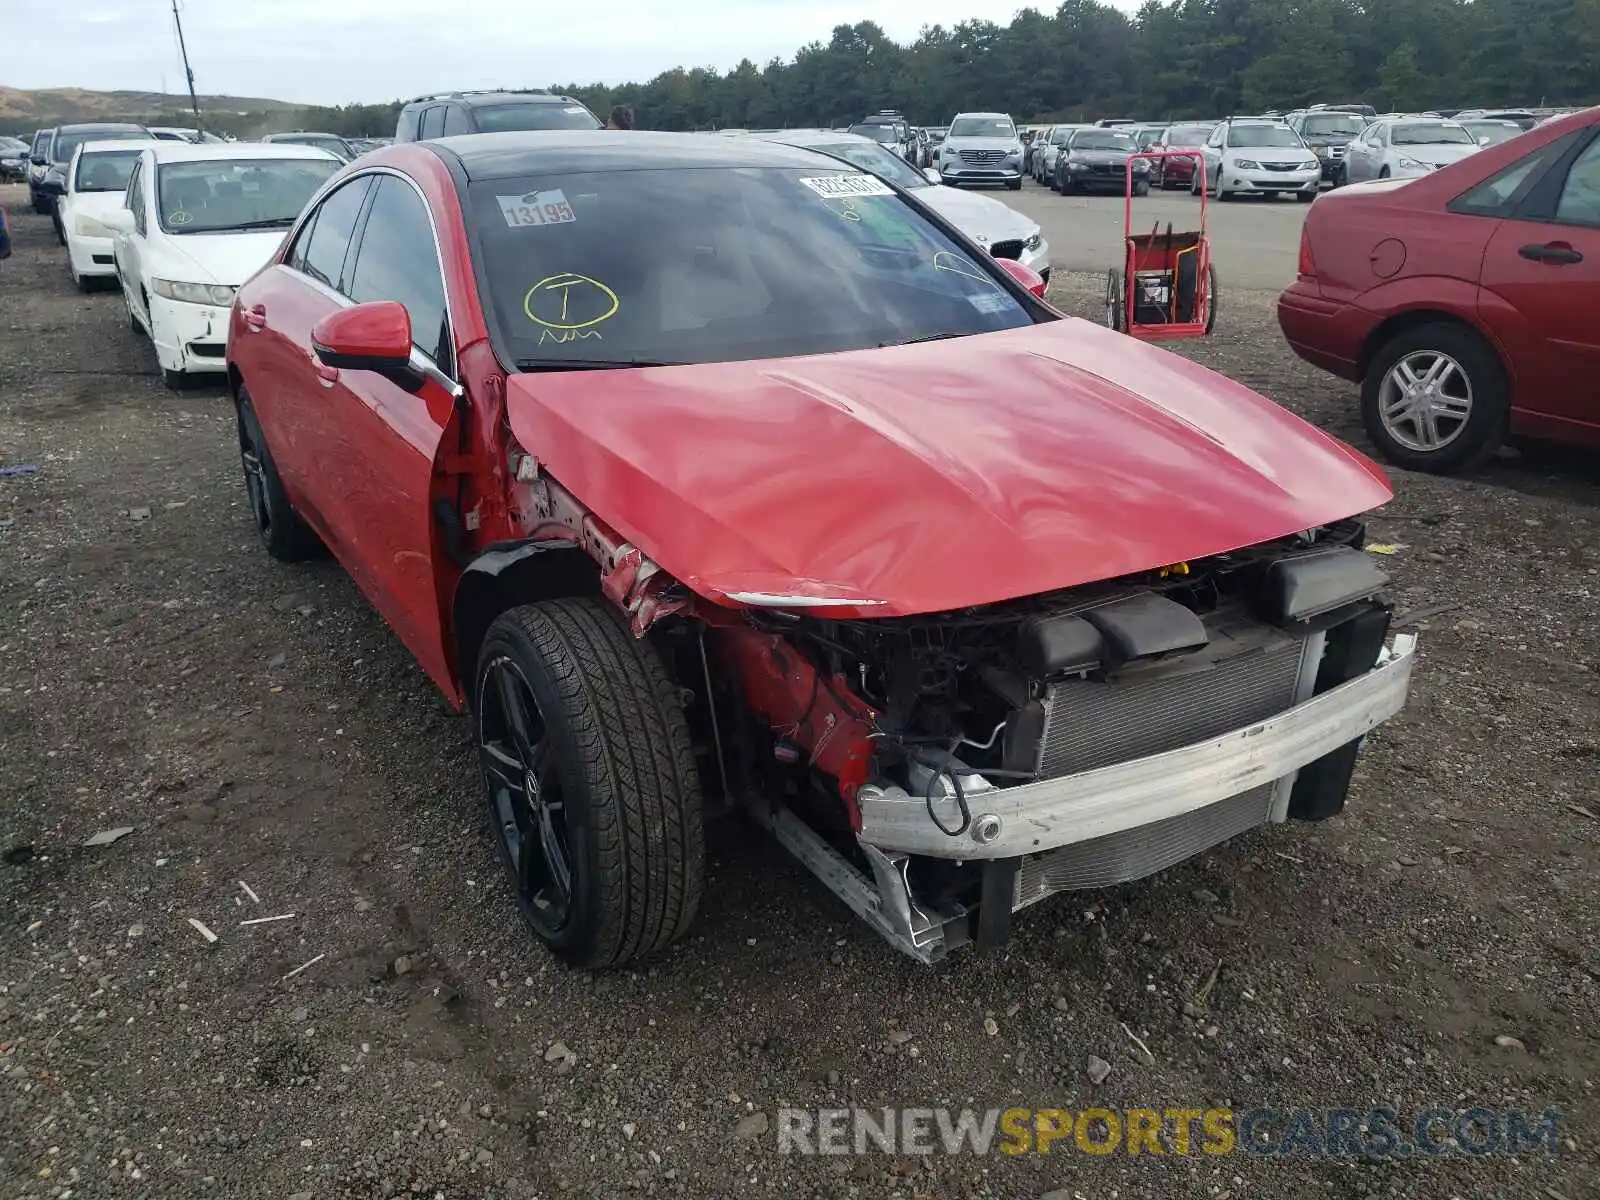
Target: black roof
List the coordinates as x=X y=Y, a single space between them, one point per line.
x=502 y=155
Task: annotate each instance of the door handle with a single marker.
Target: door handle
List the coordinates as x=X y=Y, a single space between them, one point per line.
x=1555 y=253
x=255 y=318
x=327 y=376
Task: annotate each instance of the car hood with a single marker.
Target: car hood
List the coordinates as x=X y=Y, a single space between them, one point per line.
x=1440 y=154
x=982 y=143
x=980 y=217
x=225 y=258
x=937 y=476
x=96 y=204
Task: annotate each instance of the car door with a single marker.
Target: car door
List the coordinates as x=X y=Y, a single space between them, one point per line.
x=1366 y=155
x=290 y=397
x=1541 y=288
x=127 y=249
x=389 y=436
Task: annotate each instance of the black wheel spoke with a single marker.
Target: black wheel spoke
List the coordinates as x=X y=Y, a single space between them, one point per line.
x=503 y=767
x=555 y=856
x=514 y=705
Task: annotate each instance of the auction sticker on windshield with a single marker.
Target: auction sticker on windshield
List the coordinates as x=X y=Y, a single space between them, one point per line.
x=836 y=187
x=536 y=208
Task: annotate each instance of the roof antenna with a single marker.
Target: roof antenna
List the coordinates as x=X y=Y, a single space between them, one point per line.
x=188 y=74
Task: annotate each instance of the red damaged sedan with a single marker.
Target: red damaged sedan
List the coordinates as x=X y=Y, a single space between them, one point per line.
x=1463 y=301
x=710 y=473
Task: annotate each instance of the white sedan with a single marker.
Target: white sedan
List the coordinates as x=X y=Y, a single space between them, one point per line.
x=97 y=178
x=998 y=228
x=197 y=221
x=1407 y=149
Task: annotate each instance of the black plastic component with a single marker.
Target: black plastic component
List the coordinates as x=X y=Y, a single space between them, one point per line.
x=1304 y=586
x=1321 y=787
x=994 y=903
x=1049 y=645
x=1146 y=626
x=1024 y=737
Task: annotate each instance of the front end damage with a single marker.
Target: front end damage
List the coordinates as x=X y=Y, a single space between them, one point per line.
x=940 y=773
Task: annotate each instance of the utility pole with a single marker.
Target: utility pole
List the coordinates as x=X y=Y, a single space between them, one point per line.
x=194 y=101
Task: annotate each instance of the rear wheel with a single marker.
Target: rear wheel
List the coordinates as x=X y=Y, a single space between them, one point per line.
x=1435 y=398
x=590 y=780
x=283 y=534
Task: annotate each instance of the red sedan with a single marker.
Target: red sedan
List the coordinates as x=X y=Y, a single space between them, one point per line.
x=713 y=473
x=1180 y=172
x=1463 y=301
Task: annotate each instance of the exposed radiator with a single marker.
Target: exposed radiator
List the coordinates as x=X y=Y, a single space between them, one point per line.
x=1247 y=673
x=1136 y=853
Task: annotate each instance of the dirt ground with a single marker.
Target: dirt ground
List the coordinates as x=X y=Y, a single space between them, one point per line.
x=259 y=728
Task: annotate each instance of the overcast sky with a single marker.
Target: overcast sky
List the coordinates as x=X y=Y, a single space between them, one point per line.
x=344 y=51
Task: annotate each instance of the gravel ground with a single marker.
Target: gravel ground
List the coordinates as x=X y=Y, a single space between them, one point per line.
x=259 y=728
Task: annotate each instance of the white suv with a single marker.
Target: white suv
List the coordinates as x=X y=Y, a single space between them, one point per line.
x=1261 y=156
x=981 y=148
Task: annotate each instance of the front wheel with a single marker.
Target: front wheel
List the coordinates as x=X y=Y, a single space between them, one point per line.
x=1141 y=189
x=1305 y=197
x=590 y=780
x=1436 y=398
x=1014 y=185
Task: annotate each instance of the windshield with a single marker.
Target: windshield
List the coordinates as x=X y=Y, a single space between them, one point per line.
x=1103 y=139
x=878 y=133
x=879 y=161
x=68 y=142
x=1189 y=135
x=673 y=266
x=506 y=118
x=1440 y=133
x=1332 y=125
x=1261 y=135
x=217 y=195
x=331 y=144
x=991 y=127
x=104 y=172
x=1495 y=131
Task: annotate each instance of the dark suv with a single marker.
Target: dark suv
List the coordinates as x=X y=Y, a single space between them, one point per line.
x=490 y=112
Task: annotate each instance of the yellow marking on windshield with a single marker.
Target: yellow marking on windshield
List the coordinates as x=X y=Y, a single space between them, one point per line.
x=563 y=298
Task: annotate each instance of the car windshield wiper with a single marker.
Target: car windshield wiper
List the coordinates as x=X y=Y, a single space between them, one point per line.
x=587 y=364
x=927 y=337
x=264 y=223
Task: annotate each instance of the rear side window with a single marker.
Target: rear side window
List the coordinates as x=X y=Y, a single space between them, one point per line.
x=396 y=260
x=328 y=238
x=432 y=122
x=504 y=118
x=135 y=198
x=1579 y=203
x=1497 y=195
x=455 y=120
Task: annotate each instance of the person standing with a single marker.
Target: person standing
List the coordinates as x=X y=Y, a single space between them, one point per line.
x=621 y=118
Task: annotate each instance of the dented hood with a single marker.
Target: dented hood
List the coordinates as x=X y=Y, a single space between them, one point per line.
x=936 y=476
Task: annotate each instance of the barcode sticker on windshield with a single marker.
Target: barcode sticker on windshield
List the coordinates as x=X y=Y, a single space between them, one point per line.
x=990 y=302
x=536 y=208
x=839 y=187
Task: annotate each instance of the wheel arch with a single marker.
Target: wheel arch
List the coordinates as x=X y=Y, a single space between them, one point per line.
x=507 y=575
x=1412 y=318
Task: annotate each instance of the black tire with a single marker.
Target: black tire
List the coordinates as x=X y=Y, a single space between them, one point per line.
x=1385 y=173
x=40 y=207
x=1141 y=189
x=55 y=221
x=1214 y=294
x=1014 y=185
x=1116 y=301
x=1305 y=197
x=606 y=734
x=176 y=381
x=1485 y=427
x=283 y=534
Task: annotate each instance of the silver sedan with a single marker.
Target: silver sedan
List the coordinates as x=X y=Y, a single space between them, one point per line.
x=1406 y=148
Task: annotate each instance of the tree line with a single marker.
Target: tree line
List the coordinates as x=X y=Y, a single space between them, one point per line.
x=1173 y=58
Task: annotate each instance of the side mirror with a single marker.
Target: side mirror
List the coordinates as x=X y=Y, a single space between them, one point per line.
x=38 y=160
x=53 y=187
x=367 y=337
x=932 y=174
x=1484 y=140
x=118 y=220
x=1026 y=276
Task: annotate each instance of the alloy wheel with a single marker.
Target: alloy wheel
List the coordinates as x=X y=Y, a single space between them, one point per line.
x=527 y=806
x=255 y=482
x=1425 y=401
